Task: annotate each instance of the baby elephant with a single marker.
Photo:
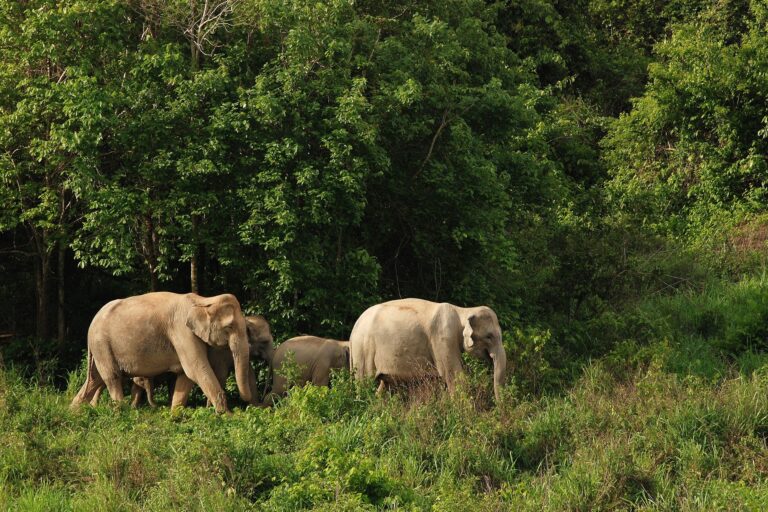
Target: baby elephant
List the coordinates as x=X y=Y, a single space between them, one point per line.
x=315 y=358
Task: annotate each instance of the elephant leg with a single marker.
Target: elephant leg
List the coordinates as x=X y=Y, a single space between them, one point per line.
x=194 y=363
x=115 y=388
x=181 y=391
x=136 y=392
x=114 y=382
x=221 y=371
x=150 y=389
x=91 y=389
x=170 y=382
x=97 y=395
x=279 y=385
x=211 y=388
x=107 y=367
x=321 y=376
x=278 y=389
x=253 y=384
x=451 y=372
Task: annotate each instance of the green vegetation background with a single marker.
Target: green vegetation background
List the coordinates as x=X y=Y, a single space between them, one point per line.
x=594 y=171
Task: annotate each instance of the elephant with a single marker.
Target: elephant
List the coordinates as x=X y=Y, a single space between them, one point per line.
x=146 y=335
x=316 y=357
x=259 y=348
x=406 y=339
x=139 y=386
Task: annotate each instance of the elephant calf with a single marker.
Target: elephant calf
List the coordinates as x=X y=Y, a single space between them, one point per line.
x=315 y=357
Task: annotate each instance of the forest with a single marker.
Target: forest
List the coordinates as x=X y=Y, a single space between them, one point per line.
x=593 y=170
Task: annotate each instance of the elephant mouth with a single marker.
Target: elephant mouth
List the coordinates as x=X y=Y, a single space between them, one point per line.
x=487 y=356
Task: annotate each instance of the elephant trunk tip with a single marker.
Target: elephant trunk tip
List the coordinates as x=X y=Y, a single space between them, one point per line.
x=499 y=358
x=242 y=370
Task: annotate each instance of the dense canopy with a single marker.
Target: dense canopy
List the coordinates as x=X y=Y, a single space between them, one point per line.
x=595 y=171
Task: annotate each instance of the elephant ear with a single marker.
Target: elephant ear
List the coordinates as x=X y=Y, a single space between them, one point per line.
x=258 y=328
x=345 y=355
x=199 y=321
x=468 y=341
x=259 y=336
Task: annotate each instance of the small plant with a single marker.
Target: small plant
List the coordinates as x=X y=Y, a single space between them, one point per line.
x=290 y=369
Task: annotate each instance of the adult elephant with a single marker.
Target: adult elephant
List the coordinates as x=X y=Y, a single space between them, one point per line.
x=315 y=358
x=221 y=361
x=146 y=335
x=403 y=340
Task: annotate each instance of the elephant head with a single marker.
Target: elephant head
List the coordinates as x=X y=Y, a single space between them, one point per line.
x=259 y=338
x=219 y=322
x=482 y=339
x=342 y=355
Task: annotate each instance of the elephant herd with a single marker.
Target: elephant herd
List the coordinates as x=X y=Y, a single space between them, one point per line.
x=203 y=339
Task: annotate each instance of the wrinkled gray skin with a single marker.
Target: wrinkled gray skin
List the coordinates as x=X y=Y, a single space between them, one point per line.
x=146 y=335
x=408 y=339
x=259 y=348
x=314 y=356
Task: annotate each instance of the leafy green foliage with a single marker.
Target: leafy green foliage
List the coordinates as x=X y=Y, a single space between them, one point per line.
x=686 y=159
x=302 y=152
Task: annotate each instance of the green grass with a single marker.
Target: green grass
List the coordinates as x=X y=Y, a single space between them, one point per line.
x=653 y=441
x=709 y=333
x=673 y=417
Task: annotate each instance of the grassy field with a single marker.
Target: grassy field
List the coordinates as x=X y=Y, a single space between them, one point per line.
x=654 y=441
x=675 y=417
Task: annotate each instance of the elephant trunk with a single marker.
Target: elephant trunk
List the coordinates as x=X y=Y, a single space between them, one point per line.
x=499 y=369
x=240 y=354
x=268 y=382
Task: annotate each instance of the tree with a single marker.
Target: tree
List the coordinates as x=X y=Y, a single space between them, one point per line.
x=688 y=160
x=49 y=124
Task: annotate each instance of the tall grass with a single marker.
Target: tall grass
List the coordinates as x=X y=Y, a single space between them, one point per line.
x=654 y=441
x=674 y=417
x=711 y=333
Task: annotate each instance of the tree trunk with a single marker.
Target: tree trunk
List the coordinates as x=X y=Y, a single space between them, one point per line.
x=194 y=57
x=202 y=269
x=42 y=264
x=193 y=283
x=61 y=331
x=150 y=252
x=194 y=262
x=154 y=283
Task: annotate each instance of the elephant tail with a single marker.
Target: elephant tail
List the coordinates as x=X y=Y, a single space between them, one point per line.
x=82 y=396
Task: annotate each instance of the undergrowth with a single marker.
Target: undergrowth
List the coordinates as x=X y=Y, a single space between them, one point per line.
x=673 y=417
x=654 y=441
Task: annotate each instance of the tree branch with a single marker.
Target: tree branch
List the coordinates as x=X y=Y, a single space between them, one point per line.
x=443 y=123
